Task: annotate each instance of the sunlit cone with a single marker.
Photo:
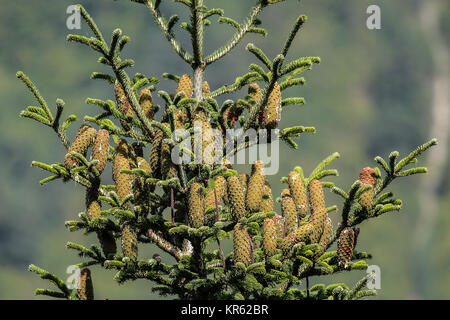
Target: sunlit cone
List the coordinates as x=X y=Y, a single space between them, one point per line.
x=289 y=211
x=241 y=244
x=272 y=112
x=185 y=84
x=221 y=189
x=235 y=196
x=210 y=199
x=325 y=238
x=254 y=91
x=84 y=139
x=201 y=119
x=255 y=186
x=155 y=153
x=121 y=162
x=146 y=103
x=196 y=205
x=318 y=218
x=243 y=179
x=368 y=177
x=267 y=199
x=180 y=118
x=205 y=88
x=316 y=196
x=269 y=235
x=345 y=246
x=85 y=290
x=168 y=168
x=129 y=242
x=279 y=225
x=123 y=105
x=298 y=193
x=101 y=149
x=301 y=234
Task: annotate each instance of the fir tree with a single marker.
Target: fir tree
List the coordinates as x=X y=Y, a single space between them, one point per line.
x=182 y=207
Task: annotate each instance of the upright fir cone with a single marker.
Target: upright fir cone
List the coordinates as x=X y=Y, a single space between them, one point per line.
x=345 y=246
x=221 y=189
x=180 y=118
x=232 y=114
x=269 y=235
x=279 y=226
x=84 y=139
x=271 y=115
x=289 y=211
x=325 y=238
x=236 y=199
x=196 y=205
x=317 y=219
x=243 y=179
x=301 y=234
x=155 y=153
x=368 y=176
x=140 y=188
x=85 y=290
x=168 y=168
x=121 y=162
x=298 y=193
x=210 y=206
x=255 y=186
x=316 y=196
x=254 y=91
x=241 y=244
x=146 y=103
x=100 y=150
x=205 y=89
x=129 y=242
x=267 y=199
x=123 y=105
x=201 y=119
x=185 y=84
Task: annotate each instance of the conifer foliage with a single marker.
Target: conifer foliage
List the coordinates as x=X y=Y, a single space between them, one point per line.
x=187 y=210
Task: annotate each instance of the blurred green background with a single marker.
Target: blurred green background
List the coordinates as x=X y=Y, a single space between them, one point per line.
x=375 y=91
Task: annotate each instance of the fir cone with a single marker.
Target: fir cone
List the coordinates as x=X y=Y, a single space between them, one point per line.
x=155 y=154
x=180 y=119
x=196 y=205
x=289 y=211
x=100 y=150
x=84 y=139
x=168 y=168
x=279 y=226
x=316 y=196
x=241 y=244
x=205 y=89
x=243 y=179
x=254 y=91
x=235 y=196
x=232 y=114
x=301 y=234
x=129 y=242
x=269 y=235
x=146 y=103
x=123 y=105
x=345 y=246
x=207 y=135
x=325 y=238
x=368 y=177
x=121 y=162
x=267 y=199
x=221 y=189
x=185 y=84
x=298 y=193
x=272 y=112
x=93 y=206
x=255 y=186
x=318 y=218
x=85 y=290
x=140 y=188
